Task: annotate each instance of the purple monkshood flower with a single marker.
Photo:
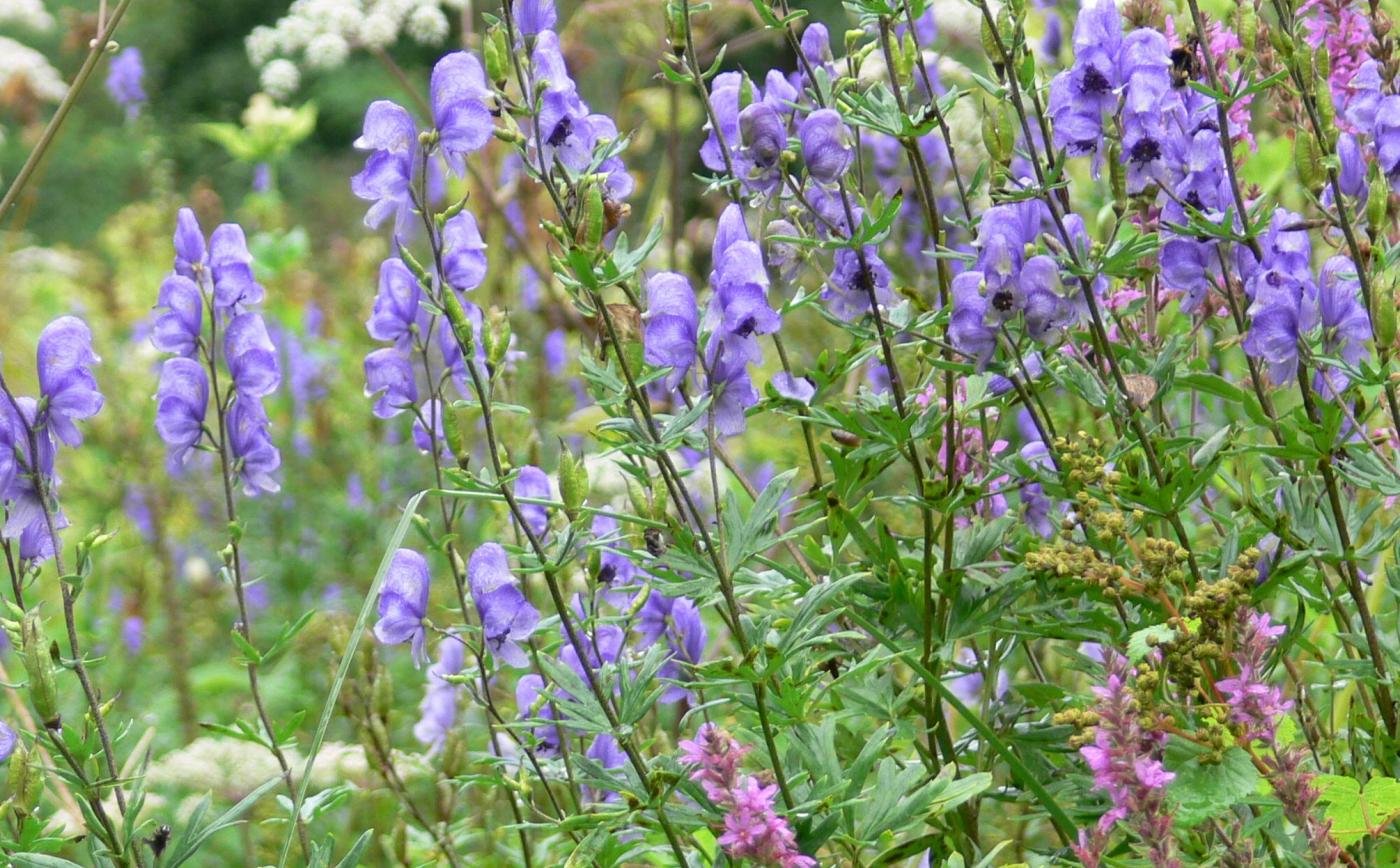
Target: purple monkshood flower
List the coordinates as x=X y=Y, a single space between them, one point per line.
x=826 y=145
x=461 y=112
x=231 y=270
x=392 y=138
x=1080 y=95
x=794 y=388
x=529 y=693
x=1345 y=326
x=464 y=256
x=9 y=739
x=534 y=16
x=602 y=645
x=389 y=374
x=605 y=752
x=65 y=360
x=124 y=81
x=968 y=686
x=729 y=386
x=752 y=827
x=396 y=306
x=251 y=445
x=1387 y=138
x=178 y=329
x=532 y=482
x=190 y=251
x=671 y=325
x=555 y=351
x=507 y=617
x=677 y=620
x=251 y=357
x=968 y=330
x=1126 y=762
x=854 y=276
x=27 y=514
x=182 y=399
x=1254 y=703
x=403 y=603
x=439 y=705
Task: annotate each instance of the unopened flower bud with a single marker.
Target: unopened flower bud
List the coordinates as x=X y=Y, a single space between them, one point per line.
x=495 y=52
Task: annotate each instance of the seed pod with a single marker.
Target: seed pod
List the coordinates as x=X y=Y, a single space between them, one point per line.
x=1117 y=179
x=26 y=779
x=908 y=53
x=1322 y=66
x=383 y=694
x=1377 y=204
x=1307 y=160
x=43 y=692
x=590 y=230
x=573 y=483
x=1385 y=311
x=497 y=337
x=1247 y=26
x=1327 y=114
x=494 y=51
x=461 y=324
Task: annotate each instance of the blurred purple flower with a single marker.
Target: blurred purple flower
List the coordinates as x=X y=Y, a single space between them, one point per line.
x=124 y=81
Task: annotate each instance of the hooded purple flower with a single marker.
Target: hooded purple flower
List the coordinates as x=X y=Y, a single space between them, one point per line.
x=65 y=360
x=397 y=304
x=605 y=752
x=1080 y=95
x=1346 y=328
x=464 y=257
x=730 y=387
x=826 y=145
x=725 y=91
x=602 y=645
x=252 y=359
x=461 y=112
x=967 y=329
x=847 y=293
x=8 y=741
x=1387 y=138
x=182 y=399
x=252 y=447
x=532 y=703
x=677 y=620
x=532 y=482
x=507 y=617
x=178 y=329
x=388 y=371
x=534 y=16
x=231 y=267
x=391 y=135
x=190 y=251
x=1273 y=336
x=403 y=603
x=439 y=705
x=124 y=81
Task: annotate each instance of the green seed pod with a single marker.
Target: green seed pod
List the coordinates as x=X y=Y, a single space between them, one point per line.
x=26 y=779
x=989 y=42
x=1247 y=25
x=1281 y=41
x=991 y=136
x=38 y=662
x=1322 y=66
x=461 y=324
x=495 y=52
x=1327 y=114
x=1307 y=160
x=1117 y=179
x=383 y=694
x=1027 y=71
x=497 y=337
x=1377 y=204
x=456 y=755
x=1385 y=302
x=573 y=483
x=638 y=497
x=452 y=429
x=592 y=228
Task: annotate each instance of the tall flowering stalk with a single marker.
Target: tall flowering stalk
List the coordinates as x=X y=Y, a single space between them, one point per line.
x=223 y=365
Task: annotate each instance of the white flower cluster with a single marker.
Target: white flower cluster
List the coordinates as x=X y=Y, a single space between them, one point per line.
x=230 y=766
x=23 y=67
x=320 y=34
x=26 y=13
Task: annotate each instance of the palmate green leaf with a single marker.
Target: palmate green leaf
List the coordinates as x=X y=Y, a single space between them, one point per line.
x=1204 y=790
x=1354 y=812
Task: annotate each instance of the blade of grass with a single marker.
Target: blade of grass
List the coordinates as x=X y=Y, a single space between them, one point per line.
x=346 y=660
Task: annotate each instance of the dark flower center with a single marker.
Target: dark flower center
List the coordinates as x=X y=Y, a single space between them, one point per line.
x=1002 y=300
x=1145 y=151
x=561 y=132
x=1094 y=81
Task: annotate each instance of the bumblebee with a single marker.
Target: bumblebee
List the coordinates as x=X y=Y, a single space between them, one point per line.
x=1186 y=61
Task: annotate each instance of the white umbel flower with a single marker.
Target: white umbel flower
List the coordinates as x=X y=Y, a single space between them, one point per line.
x=427 y=25
x=327 y=51
x=21 y=65
x=280 y=78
